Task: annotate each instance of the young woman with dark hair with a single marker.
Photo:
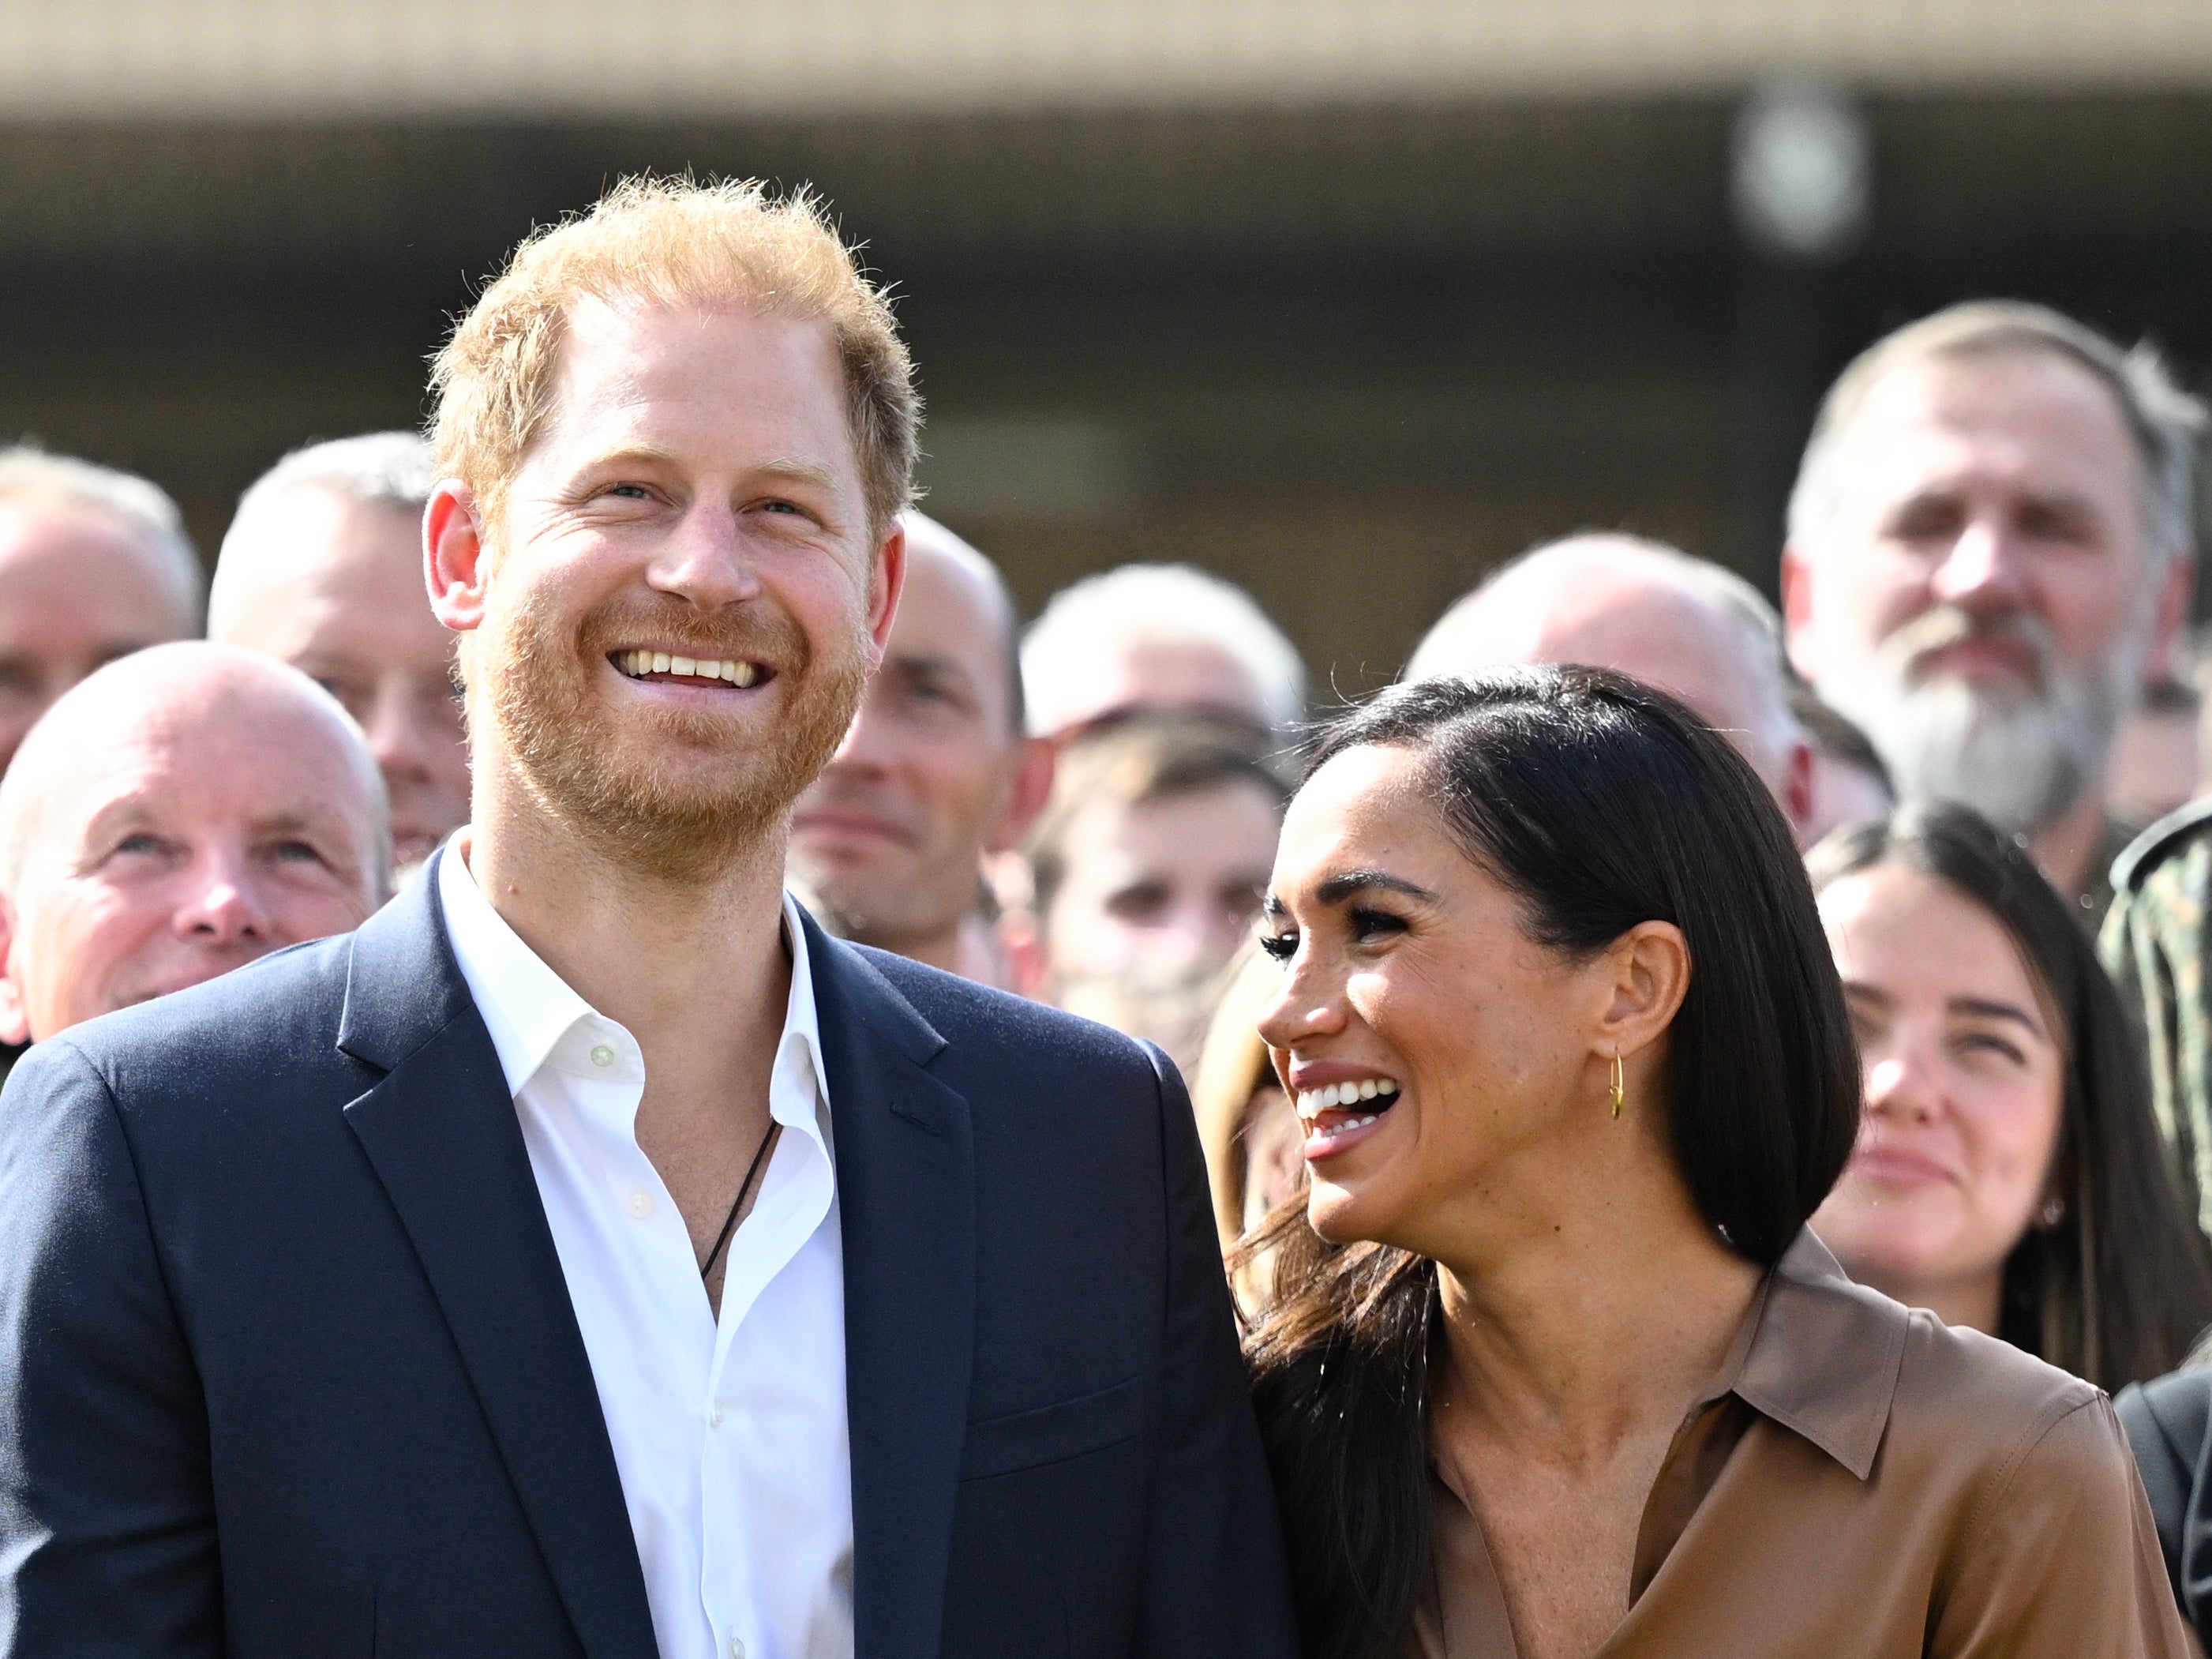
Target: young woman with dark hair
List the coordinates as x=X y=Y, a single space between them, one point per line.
x=1551 y=1366
x=2009 y=1174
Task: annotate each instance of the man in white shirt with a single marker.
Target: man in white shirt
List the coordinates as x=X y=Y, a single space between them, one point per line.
x=588 y=1255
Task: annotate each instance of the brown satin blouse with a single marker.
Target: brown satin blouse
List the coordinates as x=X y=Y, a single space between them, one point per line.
x=1862 y=1480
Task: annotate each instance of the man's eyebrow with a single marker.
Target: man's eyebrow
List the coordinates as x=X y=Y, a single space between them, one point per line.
x=1995 y=1008
x=927 y=664
x=1339 y=887
x=810 y=472
x=782 y=466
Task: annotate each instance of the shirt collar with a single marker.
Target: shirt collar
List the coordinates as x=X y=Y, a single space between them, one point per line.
x=1819 y=1355
x=537 y=1020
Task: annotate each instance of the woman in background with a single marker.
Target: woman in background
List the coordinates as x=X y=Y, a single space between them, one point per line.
x=1551 y=1367
x=1245 y=1122
x=2008 y=1174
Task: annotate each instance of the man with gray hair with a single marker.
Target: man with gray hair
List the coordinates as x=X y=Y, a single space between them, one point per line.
x=94 y=565
x=1992 y=534
x=1163 y=637
x=173 y=816
x=322 y=567
x=1699 y=633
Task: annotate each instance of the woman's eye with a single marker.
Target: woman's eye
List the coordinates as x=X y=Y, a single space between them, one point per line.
x=1281 y=946
x=141 y=842
x=1375 y=924
x=1983 y=1044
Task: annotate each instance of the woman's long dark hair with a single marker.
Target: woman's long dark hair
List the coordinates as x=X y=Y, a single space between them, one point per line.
x=2118 y=1289
x=1600 y=804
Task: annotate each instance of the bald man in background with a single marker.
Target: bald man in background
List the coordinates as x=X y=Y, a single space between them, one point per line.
x=94 y=565
x=176 y=814
x=322 y=567
x=1697 y=632
x=935 y=773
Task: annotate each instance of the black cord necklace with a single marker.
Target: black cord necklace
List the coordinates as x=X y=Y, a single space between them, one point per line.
x=730 y=1223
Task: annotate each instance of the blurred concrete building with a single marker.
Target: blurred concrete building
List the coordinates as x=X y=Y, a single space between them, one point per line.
x=1345 y=299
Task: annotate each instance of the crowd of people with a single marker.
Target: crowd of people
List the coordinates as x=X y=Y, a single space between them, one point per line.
x=1695 y=1107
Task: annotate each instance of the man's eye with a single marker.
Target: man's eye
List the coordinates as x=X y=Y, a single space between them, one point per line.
x=1140 y=904
x=295 y=852
x=630 y=492
x=141 y=842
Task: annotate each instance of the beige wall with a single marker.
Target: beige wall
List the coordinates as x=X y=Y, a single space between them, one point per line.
x=263 y=59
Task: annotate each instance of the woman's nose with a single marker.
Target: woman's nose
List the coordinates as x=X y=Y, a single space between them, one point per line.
x=1300 y=1011
x=1898 y=1088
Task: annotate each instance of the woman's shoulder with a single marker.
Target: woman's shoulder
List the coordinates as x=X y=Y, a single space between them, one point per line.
x=1993 y=1413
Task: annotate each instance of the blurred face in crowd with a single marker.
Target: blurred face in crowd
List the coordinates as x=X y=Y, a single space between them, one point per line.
x=1438 y=1058
x=178 y=825
x=933 y=774
x=1169 y=674
x=334 y=588
x=1160 y=891
x=78 y=588
x=1982 y=596
x=1599 y=601
x=1964 y=1079
x=1842 y=792
x=678 y=608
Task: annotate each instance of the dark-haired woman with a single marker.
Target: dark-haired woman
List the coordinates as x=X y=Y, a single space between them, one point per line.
x=2008 y=1173
x=1551 y=1367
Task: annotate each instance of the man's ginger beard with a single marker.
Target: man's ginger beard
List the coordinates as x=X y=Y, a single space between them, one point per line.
x=534 y=678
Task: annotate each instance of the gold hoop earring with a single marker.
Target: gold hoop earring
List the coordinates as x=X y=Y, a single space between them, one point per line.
x=1619 y=1083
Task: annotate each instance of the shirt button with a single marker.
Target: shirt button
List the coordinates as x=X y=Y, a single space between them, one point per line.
x=736 y=1649
x=640 y=1205
x=714 y=1417
x=602 y=1056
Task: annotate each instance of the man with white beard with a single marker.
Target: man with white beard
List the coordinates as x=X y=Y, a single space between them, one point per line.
x=1992 y=534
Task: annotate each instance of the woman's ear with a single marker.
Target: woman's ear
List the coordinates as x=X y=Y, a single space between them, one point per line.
x=1650 y=965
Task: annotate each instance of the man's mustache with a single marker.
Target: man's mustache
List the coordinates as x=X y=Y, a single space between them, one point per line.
x=1943 y=626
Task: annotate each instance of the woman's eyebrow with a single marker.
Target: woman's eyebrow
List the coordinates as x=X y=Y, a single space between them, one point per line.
x=1337 y=889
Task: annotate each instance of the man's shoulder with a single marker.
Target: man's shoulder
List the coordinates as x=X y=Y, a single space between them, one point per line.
x=980 y=1025
x=2162 y=847
x=245 y=1024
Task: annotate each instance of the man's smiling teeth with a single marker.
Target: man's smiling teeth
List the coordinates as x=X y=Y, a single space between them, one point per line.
x=1332 y=1096
x=637 y=663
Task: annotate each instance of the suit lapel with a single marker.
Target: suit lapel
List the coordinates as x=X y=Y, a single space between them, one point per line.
x=906 y=1192
x=440 y=1130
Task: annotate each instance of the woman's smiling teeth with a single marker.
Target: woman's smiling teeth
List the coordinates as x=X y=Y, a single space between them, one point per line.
x=639 y=663
x=1332 y=1096
x=1343 y=1099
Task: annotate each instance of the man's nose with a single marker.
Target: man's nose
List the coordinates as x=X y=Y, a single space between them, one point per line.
x=399 y=737
x=1982 y=570
x=705 y=559
x=868 y=740
x=225 y=906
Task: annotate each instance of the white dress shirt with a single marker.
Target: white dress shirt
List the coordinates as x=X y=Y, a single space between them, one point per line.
x=729 y=1433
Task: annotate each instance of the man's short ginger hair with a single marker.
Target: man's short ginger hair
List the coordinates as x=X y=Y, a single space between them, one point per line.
x=674 y=243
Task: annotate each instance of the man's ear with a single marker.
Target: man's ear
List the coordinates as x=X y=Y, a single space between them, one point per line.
x=1796 y=589
x=1027 y=792
x=886 y=582
x=1797 y=793
x=2175 y=589
x=14 y=1018
x=455 y=565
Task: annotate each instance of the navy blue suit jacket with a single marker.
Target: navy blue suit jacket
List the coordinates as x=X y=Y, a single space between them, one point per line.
x=288 y=1365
